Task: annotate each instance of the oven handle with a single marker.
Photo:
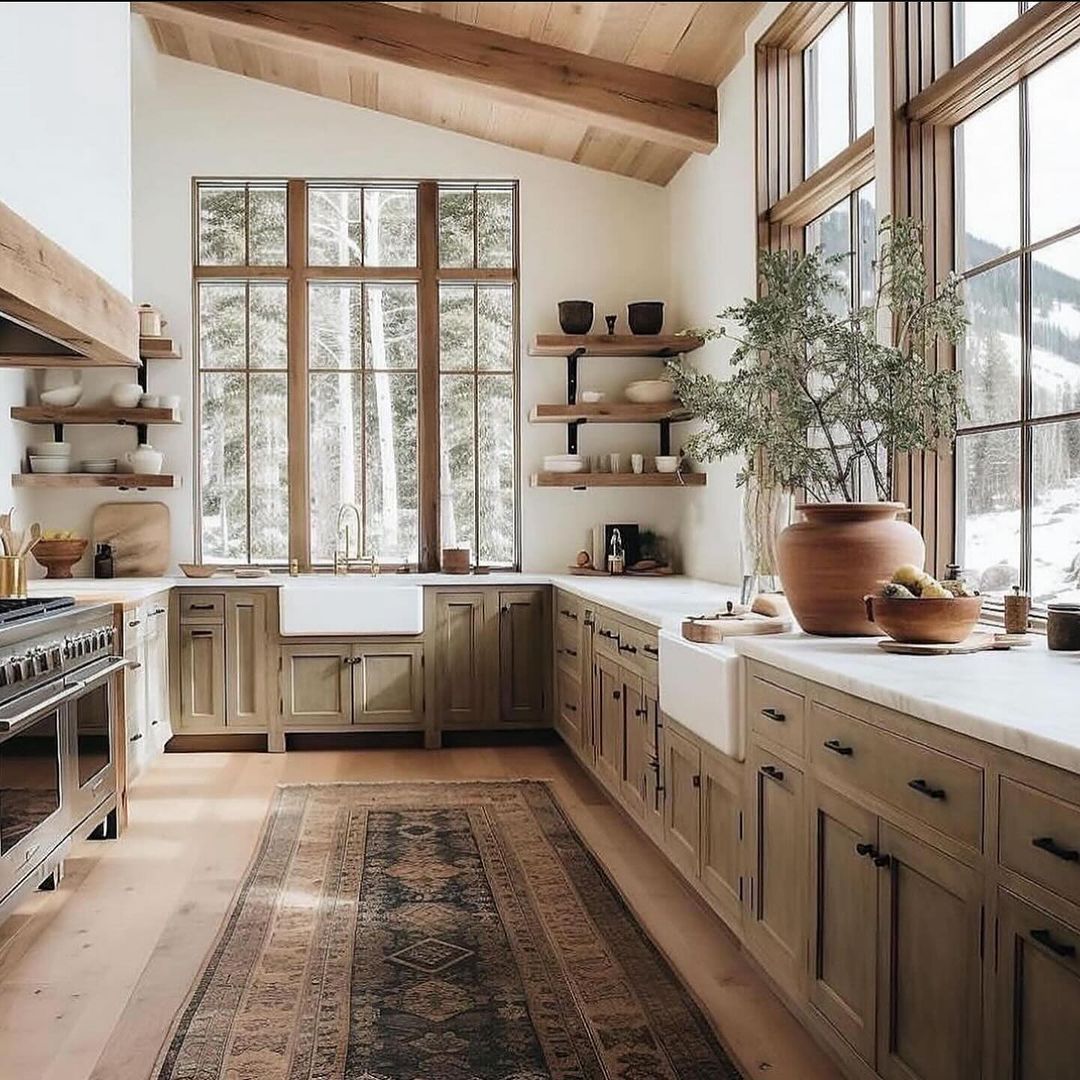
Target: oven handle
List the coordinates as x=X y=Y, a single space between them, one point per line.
x=116 y=665
x=10 y=723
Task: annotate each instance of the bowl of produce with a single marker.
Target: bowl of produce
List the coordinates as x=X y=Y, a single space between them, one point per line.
x=197 y=570
x=57 y=552
x=917 y=609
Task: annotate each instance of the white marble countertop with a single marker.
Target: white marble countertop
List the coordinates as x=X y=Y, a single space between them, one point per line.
x=1026 y=700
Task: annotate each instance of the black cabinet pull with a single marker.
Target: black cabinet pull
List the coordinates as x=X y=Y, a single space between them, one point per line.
x=651 y=650
x=1048 y=844
x=865 y=850
x=616 y=694
x=641 y=712
x=772 y=714
x=627 y=648
x=838 y=748
x=568 y=652
x=589 y=623
x=696 y=780
x=881 y=861
x=200 y=607
x=772 y=772
x=1058 y=948
x=609 y=634
x=136 y=737
x=568 y=613
x=134 y=623
x=923 y=788
x=571 y=708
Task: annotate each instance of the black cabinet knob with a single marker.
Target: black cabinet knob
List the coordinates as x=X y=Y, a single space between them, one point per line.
x=881 y=861
x=865 y=850
x=696 y=780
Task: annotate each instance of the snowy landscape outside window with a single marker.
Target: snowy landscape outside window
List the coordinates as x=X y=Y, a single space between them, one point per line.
x=310 y=308
x=1017 y=242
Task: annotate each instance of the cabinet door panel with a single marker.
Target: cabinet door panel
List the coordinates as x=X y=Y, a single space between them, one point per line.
x=523 y=656
x=682 y=807
x=465 y=667
x=388 y=686
x=569 y=715
x=246 y=643
x=929 y=963
x=1038 y=993
x=157 y=688
x=610 y=724
x=654 y=764
x=780 y=867
x=202 y=677
x=844 y=889
x=721 y=831
x=635 y=753
x=315 y=686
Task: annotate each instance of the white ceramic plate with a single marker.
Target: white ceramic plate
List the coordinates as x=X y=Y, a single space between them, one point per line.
x=99 y=467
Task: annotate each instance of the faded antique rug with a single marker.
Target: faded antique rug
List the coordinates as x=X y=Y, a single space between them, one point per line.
x=433 y=931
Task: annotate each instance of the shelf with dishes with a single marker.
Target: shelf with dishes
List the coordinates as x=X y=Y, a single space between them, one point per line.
x=99 y=415
x=582 y=480
x=620 y=346
x=120 y=481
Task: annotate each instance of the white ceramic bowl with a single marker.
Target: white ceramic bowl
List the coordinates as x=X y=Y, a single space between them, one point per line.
x=592 y=397
x=650 y=391
x=564 y=465
x=126 y=395
x=101 y=465
x=62 y=397
x=666 y=464
x=149 y=401
x=51 y=465
x=51 y=449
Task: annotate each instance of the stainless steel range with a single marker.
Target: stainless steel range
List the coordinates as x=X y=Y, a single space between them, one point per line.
x=57 y=724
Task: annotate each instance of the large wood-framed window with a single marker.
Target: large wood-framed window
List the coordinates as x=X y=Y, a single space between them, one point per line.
x=986 y=156
x=356 y=342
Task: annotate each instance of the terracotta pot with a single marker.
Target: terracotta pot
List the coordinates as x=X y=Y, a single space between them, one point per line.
x=839 y=554
x=933 y=621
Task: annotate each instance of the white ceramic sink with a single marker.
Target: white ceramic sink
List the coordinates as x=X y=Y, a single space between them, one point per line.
x=355 y=606
x=699 y=687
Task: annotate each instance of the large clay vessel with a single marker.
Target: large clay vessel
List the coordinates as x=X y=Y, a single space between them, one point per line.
x=837 y=555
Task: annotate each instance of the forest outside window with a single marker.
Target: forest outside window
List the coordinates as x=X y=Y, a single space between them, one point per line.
x=355 y=282
x=1017 y=242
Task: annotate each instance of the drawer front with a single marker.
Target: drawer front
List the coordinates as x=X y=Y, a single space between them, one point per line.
x=1039 y=837
x=202 y=607
x=640 y=652
x=775 y=713
x=568 y=645
x=933 y=787
x=609 y=632
x=567 y=610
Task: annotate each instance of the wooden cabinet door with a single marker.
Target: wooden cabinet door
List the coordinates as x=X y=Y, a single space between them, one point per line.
x=722 y=831
x=157 y=685
x=610 y=722
x=1037 y=1017
x=388 y=686
x=844 y=922
x=202 y=677
x=246 y=645
x=780 y=867
x=654 y=764
x=682 y=805
x=929 y=1013
x=464 y=661
x=524 y=648
x=636 y=746
x=135 y=721
x=316 y=687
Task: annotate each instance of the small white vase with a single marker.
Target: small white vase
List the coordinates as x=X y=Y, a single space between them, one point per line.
x=145 y=459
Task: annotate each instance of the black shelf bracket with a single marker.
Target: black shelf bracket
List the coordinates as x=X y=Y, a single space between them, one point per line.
x=665 y=438
x=571 y=376
x=58 y=432
x=572 y=437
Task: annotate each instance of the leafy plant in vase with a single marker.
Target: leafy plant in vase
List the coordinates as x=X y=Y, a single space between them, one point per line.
x=822 y=400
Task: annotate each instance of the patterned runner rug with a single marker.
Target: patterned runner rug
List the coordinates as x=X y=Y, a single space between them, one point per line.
x=442 y=931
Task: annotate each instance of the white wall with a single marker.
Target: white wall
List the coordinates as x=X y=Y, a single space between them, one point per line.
x=65 y=162
x=583 y=234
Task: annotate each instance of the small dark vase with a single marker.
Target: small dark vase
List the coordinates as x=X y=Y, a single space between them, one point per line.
x=575 y=316
x=645 y=317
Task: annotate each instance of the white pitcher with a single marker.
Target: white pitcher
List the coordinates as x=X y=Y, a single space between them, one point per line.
x=144 y=459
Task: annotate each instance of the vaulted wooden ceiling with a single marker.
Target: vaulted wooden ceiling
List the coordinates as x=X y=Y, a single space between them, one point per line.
x=624 y=87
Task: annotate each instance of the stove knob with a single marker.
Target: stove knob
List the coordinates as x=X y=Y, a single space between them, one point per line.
x=19 y=668
x=56 y=657
x=39 y=662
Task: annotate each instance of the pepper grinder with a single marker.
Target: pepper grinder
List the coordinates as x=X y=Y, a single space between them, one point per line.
x=1017 y=609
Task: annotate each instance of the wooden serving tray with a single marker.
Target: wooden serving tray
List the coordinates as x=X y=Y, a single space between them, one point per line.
x=978 y=642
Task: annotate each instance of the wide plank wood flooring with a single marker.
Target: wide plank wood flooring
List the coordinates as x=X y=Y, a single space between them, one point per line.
x=91 y=975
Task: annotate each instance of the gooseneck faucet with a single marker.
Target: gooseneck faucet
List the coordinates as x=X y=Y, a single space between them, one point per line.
x=341 y=558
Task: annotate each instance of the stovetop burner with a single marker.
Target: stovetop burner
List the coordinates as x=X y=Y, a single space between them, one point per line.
x=20 y=609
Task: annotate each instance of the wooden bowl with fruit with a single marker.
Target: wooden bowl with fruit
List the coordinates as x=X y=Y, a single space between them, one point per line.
x=57 y=552
x=917 y=609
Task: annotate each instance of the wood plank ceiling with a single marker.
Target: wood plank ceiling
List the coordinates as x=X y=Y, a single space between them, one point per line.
x=694 y=43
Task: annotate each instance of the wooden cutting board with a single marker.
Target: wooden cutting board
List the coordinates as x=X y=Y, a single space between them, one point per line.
x=140 y=535
x=979 y=642
x=713 y=631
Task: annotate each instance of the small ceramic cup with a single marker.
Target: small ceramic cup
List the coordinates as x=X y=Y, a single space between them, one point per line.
x=637 y=463
x=616 y=462
x=149 y=401
x=170 y=401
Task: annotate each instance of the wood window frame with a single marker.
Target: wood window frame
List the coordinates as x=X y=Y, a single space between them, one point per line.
x=297 y=274
x=931 y=96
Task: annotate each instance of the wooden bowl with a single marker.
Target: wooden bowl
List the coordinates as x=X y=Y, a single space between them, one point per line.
x=57 y=557
x=197 y=570
x=925 y=622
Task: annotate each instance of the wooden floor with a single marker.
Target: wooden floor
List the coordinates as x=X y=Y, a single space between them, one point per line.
x=91 y=975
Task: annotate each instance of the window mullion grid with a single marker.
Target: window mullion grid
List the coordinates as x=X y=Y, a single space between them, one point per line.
x=1026 y=432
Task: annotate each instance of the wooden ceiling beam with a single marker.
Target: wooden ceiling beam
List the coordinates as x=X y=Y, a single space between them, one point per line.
x=651 y=105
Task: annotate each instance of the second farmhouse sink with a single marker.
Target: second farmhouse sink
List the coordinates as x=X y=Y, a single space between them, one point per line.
x=356 y=606
x=699 y=688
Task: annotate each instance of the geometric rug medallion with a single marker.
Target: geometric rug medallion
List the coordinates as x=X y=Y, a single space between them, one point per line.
x=433 y=931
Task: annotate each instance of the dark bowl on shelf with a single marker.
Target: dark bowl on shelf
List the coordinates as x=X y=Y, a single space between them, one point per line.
x=575 y=316
x=645 y=317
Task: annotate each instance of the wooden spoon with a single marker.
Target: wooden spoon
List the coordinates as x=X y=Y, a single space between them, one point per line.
x=33 y=535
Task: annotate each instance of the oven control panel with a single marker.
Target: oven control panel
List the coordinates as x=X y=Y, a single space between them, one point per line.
x=54 y=657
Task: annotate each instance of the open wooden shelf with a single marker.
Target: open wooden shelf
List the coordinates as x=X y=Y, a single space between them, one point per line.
x=615 y=413
x=592 y=480
x=158 y=348
x=623 y=345
x=93 y=414
x=95 y=480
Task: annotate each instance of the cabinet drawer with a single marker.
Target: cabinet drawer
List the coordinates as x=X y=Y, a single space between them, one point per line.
x=775 y=713
x=567 y=610
x=202 y=607
x=639 y=652
x=609 y=632
x=1039 y=837
x=568 y=645
x=944 y=792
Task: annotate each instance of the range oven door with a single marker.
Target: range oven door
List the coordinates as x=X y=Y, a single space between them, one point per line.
x=33 y=811
x=91 y=734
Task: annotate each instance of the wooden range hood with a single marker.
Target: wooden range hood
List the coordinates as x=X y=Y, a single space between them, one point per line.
x=54 y=310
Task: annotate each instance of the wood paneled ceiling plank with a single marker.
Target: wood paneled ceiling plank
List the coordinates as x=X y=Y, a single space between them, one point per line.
x=662 y=33
x=623 y=24
x=663 y=108
x=713 y=43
